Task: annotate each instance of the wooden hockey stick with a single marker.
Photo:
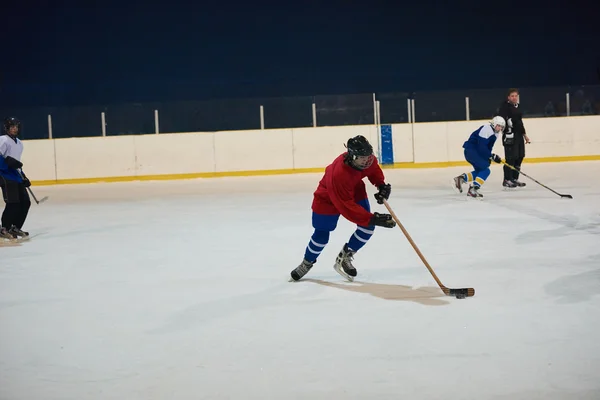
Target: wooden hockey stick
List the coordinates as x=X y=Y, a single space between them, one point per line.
x=458 y=293
x=568 y=196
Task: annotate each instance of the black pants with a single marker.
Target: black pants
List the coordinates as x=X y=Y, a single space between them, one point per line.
x=514 y=155
x=17 y=203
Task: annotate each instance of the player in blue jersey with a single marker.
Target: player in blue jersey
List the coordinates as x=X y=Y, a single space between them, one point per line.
x=478 y=152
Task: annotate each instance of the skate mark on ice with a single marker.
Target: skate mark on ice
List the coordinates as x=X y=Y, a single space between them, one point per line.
x=428 y=296
x=9 y=243
x=567 y=224
x=575 y=288
x=195 y=316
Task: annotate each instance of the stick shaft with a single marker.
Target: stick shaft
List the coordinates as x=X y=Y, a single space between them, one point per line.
x=33 y=195
x=524 y=174
x=28 y=188
x=413 y=244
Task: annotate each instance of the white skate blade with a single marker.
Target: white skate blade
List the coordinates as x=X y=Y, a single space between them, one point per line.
x=340 y=271
x=474 y=198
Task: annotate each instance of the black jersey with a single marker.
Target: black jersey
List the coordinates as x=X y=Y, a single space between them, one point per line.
x=514 y=122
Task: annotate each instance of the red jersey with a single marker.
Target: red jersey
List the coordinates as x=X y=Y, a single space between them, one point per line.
x=342 y=187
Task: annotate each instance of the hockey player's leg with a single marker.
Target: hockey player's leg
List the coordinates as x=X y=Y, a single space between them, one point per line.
x=317 y=243
x=515 y=180
x=466 y=177
x=7 y=216
x=12 y=209
x=323 y=224
x=343 y=262
x=519 y=156
x=10 y=215
x=509 y=155
x=360 y=237
x=461 y=179
x=481 y=174
x=21 y=216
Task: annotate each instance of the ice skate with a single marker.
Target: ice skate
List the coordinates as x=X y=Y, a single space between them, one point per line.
x=474 y=192
x=508 y=184
x=6 y=234
x=517 y=183
x=301 y=270
x=16 y=232
x=343 y=263
x=458 y=182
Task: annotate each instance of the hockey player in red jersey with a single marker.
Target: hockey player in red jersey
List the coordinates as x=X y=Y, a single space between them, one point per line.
x=342 y=191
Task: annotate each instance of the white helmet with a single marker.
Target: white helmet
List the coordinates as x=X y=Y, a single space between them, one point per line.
x=498 y=121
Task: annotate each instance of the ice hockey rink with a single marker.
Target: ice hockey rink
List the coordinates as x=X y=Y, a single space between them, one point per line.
x=179 y=290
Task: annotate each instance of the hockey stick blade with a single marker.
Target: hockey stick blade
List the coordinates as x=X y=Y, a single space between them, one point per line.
x=568 y=196
x=458 y=293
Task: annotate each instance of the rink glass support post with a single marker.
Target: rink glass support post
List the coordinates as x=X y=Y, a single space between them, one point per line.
x=314 y=115
x=156 y=127
x=568 y=98
x=49 y=126
x=412 y=126
x=262 y=117
x=379 y=148
x=467 y=110
x=374 y=109
x=103 y=121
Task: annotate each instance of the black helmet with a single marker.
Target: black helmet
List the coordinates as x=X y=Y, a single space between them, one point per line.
x=10 y=122
x=359 y=146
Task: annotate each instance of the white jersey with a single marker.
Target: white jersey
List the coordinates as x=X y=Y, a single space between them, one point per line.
x=10 y=147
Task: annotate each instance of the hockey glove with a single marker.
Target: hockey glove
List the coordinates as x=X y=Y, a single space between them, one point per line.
x=384 y=193
x=13 y=163
x=495 y=158
x=384 y=220
x=26 y=181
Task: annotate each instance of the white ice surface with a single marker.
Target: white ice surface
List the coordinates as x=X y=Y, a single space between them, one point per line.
x=178 y=290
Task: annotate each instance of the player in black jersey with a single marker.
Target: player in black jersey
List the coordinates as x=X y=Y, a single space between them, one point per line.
x=514 y=138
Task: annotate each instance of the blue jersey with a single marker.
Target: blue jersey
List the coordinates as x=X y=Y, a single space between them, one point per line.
x=482 y=140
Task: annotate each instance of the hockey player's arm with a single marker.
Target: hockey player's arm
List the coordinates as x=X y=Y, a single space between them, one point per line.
x=342 y=198
x=520 y=126
x=3 y=146
x=375 y=175
x=377 y=178
x=10 y=162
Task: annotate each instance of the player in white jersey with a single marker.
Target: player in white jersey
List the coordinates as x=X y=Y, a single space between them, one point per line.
x=13 y=182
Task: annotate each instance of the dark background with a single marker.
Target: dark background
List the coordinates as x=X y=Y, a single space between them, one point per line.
x=210 y=65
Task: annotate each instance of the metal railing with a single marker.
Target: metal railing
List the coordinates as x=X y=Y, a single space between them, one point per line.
x=297 y=112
